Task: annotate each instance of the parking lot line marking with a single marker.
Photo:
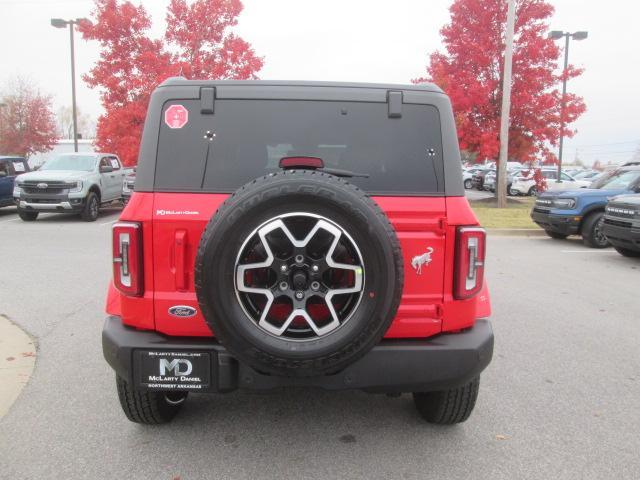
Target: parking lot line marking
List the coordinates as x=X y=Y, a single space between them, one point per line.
x=587 y=251
x=108 y=223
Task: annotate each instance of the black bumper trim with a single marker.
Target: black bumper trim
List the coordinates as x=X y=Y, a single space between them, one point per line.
x=437 y=363
x=623 y=237
x=563 y=224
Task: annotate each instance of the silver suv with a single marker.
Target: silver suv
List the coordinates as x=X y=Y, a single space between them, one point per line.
x=70 y=182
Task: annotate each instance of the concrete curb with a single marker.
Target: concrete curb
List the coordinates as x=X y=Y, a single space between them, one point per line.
x=17 y=360
x=516 y=232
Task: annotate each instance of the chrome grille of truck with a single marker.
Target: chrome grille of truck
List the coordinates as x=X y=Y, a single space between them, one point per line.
x=54 y=187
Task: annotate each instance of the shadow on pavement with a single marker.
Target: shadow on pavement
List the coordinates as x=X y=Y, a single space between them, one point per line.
x=8 y=212
x=105 y=213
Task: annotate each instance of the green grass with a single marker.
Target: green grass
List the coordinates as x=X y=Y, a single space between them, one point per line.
x=516 y=215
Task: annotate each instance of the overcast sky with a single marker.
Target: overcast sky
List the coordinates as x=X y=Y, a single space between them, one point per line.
x=368 y=41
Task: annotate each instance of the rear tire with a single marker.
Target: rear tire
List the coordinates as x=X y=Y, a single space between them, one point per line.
x=556 y=235
x=91 y=208
x=27 y=216
x=146 y=407
x=449 y=406
x=625 y=252
x=533 y=191
x=591 y=231
x=468 y=184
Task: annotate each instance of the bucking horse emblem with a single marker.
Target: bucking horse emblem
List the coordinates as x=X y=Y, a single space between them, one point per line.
x=419 y=260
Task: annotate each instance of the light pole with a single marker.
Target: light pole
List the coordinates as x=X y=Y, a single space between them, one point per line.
x=557 y=35
x=501 y=167
x=60 y=23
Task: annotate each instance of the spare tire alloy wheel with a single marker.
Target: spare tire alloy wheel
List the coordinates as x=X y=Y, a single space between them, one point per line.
x=283 y=276
x=305 y=292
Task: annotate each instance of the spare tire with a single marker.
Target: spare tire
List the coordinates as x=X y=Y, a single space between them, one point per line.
x=299 y=273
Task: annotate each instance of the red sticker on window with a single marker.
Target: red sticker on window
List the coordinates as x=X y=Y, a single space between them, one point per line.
x=176 y=116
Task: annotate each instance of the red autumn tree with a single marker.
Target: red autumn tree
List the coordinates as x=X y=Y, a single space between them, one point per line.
x=470 y=72
x=198 y=43
x=27 y=122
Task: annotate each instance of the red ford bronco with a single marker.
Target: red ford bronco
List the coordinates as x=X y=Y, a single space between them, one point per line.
x=298 y=234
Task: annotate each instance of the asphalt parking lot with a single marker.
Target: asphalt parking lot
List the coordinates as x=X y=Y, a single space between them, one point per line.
x=560 y=399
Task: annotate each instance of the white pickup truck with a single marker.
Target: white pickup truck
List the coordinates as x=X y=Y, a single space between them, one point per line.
x=70 y=182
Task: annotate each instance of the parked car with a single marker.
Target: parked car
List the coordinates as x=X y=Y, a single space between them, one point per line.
x=289 y=243
x=70 y=182
x=510 y=165
x=621 y=224
x=524 y=184
x=589 y=175
x=478 y=178
x=10 y=168
x=581 y=212
x=127 y=186
x=574 y=172
x=490 y=180
x=467 y=176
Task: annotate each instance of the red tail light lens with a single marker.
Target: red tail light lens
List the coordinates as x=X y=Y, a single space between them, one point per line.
x=301 y=162
x=127 y=258
x=470 y=253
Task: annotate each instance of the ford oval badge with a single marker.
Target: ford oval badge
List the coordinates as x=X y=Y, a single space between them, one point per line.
x=182 y=311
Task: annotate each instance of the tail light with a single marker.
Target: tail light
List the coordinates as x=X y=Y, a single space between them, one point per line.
x=127 y=258
x=470 y=253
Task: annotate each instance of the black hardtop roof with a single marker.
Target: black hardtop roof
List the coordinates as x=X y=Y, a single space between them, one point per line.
x=180 y=81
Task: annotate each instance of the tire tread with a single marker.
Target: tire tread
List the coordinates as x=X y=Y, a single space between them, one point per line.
x=450 y=406
x=146 y=407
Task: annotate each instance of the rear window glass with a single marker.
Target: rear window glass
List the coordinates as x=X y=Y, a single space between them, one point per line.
x=249 y=137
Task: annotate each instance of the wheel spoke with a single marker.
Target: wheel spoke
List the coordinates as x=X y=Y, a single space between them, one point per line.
x=269 y=327
x=242 y=269
x=320 y=225
x=319 y=331
x=356 y=269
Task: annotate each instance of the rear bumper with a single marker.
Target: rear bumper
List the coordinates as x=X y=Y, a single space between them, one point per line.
x=563 y=224
x=432 y=364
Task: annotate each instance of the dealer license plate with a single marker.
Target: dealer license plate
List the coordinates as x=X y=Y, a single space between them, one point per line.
x=168 y=370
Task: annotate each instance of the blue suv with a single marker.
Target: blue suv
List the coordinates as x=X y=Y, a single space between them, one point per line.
x=10 y=168
x=581 y=212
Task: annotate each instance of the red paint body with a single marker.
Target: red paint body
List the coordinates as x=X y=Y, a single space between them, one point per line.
x=173 y=223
